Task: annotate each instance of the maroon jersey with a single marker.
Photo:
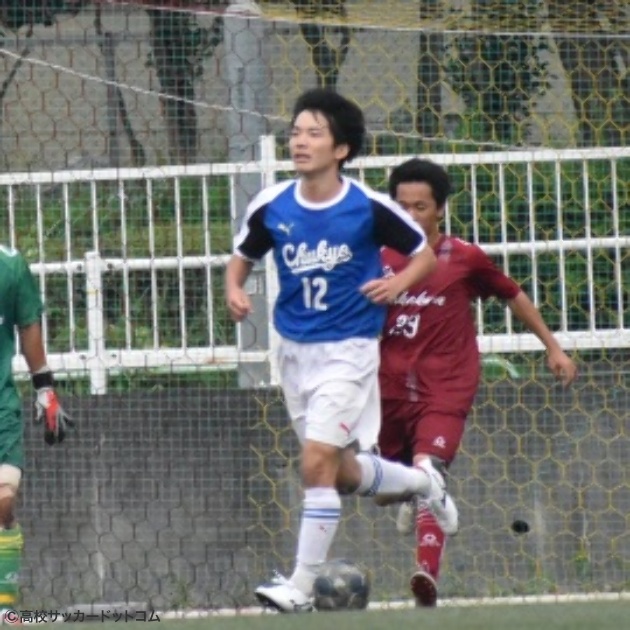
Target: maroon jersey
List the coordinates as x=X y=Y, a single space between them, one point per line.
x=429 y=346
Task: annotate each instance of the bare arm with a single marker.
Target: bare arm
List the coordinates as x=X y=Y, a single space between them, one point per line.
x=32 y=346
x=559 y=363
x=386 y=290
x=419 y=267
x=525 y=311
x=236 y=274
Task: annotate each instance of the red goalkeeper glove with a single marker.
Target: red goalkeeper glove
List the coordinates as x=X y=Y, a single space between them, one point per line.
x=49 y=409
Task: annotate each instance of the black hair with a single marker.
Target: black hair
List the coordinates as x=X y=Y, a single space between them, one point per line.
x=346 y=120
x=422 y=171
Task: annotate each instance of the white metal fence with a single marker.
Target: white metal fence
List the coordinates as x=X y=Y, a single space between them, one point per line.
x=80 y=229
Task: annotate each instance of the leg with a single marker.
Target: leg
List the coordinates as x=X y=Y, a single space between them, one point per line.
x=321 y=411
x=321 y=511
x=366 y=469
x=332 y=395
x=394 y=443
x=349 y=414
x=437 y=439
x=11 y=539
x=369 y=474
x=430 y=544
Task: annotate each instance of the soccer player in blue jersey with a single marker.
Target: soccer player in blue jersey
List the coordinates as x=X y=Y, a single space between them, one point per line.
x=326 y=232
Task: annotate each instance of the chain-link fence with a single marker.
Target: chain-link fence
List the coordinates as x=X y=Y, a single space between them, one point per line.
x=180 y=487
x=127 y=84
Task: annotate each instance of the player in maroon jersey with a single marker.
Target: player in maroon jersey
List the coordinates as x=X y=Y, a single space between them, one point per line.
x=430 y=363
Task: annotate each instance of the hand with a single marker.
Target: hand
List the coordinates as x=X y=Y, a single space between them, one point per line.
x=381 y=291
x=562 y=367
x=56 y=420
x=238 y=304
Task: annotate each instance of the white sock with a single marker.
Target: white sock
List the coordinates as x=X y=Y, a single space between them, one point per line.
x=379 y=476
x=320 y=518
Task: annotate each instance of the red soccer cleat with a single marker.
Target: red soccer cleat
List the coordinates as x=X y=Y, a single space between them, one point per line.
x=424 y=589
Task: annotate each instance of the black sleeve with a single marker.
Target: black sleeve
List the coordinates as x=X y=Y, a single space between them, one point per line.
x=392 y=230
x=254 y=240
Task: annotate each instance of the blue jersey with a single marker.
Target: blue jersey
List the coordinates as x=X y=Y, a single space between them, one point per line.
x=324 y=253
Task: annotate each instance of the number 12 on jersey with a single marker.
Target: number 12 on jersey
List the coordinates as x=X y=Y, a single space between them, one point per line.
x=314 y=290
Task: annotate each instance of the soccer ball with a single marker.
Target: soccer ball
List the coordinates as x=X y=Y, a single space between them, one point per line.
x=341 y=585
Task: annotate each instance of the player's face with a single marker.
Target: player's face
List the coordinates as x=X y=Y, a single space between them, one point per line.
x=417 y=199
x=312 y=145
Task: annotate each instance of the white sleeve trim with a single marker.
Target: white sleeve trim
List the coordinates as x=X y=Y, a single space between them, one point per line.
x=262 y=198
x=387 y=202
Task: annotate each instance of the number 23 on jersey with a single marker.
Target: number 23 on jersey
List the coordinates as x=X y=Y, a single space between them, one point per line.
x=406 y=325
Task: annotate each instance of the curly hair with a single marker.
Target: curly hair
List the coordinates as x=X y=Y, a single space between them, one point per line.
x=416 y=170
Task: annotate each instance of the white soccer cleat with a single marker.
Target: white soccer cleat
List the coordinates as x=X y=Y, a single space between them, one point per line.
x=439 y=501
x=406 y=518
x=280 y=594
x=424 y=589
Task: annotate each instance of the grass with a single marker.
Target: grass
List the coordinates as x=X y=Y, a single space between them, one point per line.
x=556 y=616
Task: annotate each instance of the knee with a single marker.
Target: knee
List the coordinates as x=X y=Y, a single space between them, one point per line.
x=9 y=483
x=320 y=464
x=347 y=482
x=349 y=475
x=8 y=495
x=345 y=487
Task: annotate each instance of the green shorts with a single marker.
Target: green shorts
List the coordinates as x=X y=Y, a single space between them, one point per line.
x=12 y=440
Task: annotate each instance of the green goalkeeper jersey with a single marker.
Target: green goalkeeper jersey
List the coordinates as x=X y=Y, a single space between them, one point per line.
x=20 y=305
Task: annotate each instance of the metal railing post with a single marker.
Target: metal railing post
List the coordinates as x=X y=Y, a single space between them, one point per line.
x=97 y=359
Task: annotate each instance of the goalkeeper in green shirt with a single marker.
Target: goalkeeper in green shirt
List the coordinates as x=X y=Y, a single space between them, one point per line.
x=20 y=309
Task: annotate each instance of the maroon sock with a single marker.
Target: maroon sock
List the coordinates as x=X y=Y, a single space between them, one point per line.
x=430 y=541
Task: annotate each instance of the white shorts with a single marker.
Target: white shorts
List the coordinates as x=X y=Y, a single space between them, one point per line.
x=331 y=390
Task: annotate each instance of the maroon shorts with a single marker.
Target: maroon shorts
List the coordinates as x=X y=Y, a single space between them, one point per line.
x=409 y=428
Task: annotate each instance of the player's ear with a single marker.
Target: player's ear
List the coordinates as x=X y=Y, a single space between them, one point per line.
x=440 y=212
x=342 y=151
